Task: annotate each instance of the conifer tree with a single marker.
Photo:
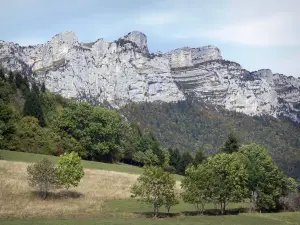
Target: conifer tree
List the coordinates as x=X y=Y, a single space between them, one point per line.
x=231 y=145
x=33 y=105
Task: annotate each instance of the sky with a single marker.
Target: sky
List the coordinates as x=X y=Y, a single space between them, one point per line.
x=258 y=34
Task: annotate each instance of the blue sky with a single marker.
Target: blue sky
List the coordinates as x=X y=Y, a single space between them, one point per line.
x=256 y=33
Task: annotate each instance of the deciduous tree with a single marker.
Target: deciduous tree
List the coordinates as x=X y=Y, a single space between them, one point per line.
x=227 y=178
x=196 y=187
x=43 y=175
x=155 y=187
x=266 y=181
x=70 y=170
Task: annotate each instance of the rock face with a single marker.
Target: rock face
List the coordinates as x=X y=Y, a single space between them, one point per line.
x=118 y=72
x=124 y=71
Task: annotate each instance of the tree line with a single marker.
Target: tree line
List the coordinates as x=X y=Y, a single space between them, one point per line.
x=238 y=174
x=37 y=121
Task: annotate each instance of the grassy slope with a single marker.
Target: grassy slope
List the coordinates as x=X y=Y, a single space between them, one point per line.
x=115 y=211
x=30 y=158
x=245 y=219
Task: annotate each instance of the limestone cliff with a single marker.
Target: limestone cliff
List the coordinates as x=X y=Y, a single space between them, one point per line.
x=124 y=71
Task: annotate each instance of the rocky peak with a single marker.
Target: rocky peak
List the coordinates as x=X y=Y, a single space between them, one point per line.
x=265 y=74
x=139 y=38
x=185 y=57
x=65 y=37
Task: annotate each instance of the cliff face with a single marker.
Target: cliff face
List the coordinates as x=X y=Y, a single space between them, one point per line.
x=124 y=71
x=118 y=72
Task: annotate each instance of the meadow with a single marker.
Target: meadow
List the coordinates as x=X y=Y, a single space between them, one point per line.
x=103 y=197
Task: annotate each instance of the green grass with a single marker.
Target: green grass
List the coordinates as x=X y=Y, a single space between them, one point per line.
x=134 y=206
x=31 y=158
x=242 y=219
x=121 y=211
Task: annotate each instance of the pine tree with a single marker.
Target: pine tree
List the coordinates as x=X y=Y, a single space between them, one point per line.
x=231 y=145
x=33 y=106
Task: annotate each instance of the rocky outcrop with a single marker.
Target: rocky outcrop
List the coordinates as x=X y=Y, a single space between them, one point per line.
x=124 y=71
x=184 y=57
x=118 y=72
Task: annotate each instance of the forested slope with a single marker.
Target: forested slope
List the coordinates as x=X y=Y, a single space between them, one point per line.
x=191 y=124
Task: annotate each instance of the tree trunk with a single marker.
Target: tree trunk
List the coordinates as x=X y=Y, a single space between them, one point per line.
x=155 y=206
x=202 y=209
x=45 y=191
x=221 y=208
x=198 y=210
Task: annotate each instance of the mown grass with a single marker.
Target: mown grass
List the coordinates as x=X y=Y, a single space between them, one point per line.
x=242 y=219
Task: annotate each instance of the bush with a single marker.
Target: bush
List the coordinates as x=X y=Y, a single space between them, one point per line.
x=44 y=176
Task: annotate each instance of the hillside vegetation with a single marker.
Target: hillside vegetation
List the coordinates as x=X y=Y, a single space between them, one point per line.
x=190 y=125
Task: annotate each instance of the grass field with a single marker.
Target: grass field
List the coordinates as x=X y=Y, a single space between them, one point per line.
x=242 y=219
x=31 y=158
x=103 y=197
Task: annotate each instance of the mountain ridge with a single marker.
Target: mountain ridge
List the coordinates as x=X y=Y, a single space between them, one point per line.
x=125 y=71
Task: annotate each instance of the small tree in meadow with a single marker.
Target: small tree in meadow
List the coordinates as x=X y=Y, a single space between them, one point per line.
x=44 y=176
x=70 y=170
x=228 y=178
x=170 y=199
x=155 y=187
x=196 y=187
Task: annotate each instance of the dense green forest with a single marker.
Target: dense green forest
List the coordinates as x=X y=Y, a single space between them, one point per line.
x=190 y=125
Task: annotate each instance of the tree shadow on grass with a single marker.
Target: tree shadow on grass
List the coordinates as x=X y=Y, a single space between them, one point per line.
x=208 y=212
x=160 y=215
x=217 y=212
x=59 y=195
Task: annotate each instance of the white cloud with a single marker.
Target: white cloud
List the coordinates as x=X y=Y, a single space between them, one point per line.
x=281 y=29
